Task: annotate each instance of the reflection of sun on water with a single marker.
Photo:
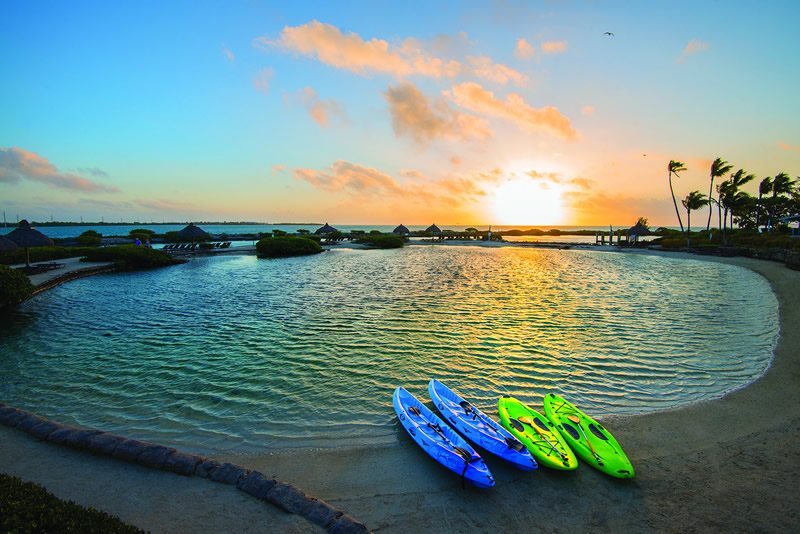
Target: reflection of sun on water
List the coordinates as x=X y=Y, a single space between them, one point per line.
x=530 y=202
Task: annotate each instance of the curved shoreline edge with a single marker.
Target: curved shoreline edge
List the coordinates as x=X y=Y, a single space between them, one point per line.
x=728 y=463
x=268 y=489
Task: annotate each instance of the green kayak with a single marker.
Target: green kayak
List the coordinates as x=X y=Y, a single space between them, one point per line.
x=593 y=443
x=538 y=434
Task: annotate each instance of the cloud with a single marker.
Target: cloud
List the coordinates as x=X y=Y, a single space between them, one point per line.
x=524 y=49
x=554 y=47
x=321 y=111
x=228 y=53
x=262 y=79
x=17 y=164
x=278 y=168
x=412 y=174
x=484 y=67
x=786 y=146
x=422 y=119
x=94 y=171
x=164 y=204
x=587 y=110
x=352 y=177
x=695 y=46
x=327 y=44
x=474 y=97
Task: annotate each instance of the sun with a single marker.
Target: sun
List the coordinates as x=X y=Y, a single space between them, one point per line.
x=523 y=201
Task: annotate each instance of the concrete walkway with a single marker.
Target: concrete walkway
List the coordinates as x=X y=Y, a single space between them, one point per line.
x=72 y=267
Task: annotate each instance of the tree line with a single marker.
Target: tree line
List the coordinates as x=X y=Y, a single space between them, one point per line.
x=778 y=197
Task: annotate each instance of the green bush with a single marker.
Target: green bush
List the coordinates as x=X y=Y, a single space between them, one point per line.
x=14 y=287
x=284 y=247
x=381 y=241
x=90 y=238
x=28 y=507
x=43 y=254
x=131 y=257
x=144 y=231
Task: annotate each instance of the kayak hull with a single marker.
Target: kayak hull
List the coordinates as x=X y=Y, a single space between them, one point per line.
x=479 y=428
x=538 y=435
x=439 y=441
x=589 y=439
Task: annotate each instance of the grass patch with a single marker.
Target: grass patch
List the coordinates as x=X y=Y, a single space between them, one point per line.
x=43 y=254
x=131 y=257
x=285 y=247
x=28 y=507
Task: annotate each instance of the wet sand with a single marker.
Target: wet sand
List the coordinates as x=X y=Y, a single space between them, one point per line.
x=728 y=464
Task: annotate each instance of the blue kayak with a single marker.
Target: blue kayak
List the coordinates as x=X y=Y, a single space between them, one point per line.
x=479 y=428
x=440 y=441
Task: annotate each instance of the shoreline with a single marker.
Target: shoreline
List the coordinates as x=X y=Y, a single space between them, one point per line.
x=692 y=463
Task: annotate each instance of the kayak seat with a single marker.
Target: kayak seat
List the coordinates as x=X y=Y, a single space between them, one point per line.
x=596 y=431
x=572 y=431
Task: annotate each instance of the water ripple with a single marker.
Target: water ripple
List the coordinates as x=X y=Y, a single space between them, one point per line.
x=246 y=354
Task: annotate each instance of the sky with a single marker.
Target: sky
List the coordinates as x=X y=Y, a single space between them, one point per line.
x=504 y=112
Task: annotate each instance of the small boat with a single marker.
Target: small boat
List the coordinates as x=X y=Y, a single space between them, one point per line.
x=594 y=444
x=479 y=428
x=537 y=433
x=440 y=441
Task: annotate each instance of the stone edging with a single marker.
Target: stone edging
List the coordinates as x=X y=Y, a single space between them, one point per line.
x=74 y=275
x=281 y=494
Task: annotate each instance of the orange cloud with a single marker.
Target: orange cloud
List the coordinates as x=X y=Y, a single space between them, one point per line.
x=786 y=146
x=587 y=110
x=329 y=45
x=413 y=114
x=484 y=67
x=17 y=163
x=321 y=111
x=554 y=47
x=277 y=168
x=524 y=49
x=693 y=47
x=262 y=79
x=346 y=176
x=474 y=97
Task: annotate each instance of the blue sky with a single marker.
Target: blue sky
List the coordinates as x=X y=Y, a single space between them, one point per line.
x=155 y=103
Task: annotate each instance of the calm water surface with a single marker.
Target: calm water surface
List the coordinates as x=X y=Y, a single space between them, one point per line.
x=240 y=354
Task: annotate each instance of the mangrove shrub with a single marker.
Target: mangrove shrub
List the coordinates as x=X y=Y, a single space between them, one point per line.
x=284 y=247
x=131 y=257
x=381 y=241
x=14 y=287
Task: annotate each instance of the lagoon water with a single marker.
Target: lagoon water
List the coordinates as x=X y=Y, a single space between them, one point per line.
x=240 y=354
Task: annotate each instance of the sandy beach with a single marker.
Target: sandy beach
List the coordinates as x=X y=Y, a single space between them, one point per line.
x=728 y=464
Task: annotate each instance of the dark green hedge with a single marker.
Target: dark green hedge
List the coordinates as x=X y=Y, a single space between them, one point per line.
x=131 y=257
x=28 y=507
x=381 y=241
x=284 y=247
x=43 y=254
x=15 y=287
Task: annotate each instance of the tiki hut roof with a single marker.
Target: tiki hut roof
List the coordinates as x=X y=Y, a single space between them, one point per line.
x=6 y=245
x=326 y=229
x=433 y=229
x=24 y=236
x=401 y=230
x=191 y=231
x=639 y=230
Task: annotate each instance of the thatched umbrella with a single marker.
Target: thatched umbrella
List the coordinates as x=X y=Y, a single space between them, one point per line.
x=193 y=232
x=326 y=229
x=401 y=230
x=637 y=231
x=433 y=229
x=26 y=237
x=6 y=245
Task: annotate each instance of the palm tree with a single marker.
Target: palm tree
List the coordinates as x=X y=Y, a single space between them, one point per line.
x=781 y=185
x=730 y=196
x=674 y=167
x=719 y=168
x=693 y=201
x=764 y=188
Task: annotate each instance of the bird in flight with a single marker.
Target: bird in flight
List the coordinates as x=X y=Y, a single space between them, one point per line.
x=610 y=34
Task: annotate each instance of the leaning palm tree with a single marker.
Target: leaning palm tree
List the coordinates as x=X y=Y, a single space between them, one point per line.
x=693 y=201
x=719 y=168
x=674 y=167
x=782 y=184
x=764 y=188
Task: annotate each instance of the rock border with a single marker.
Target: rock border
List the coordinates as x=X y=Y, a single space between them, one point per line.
x=269 y=490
